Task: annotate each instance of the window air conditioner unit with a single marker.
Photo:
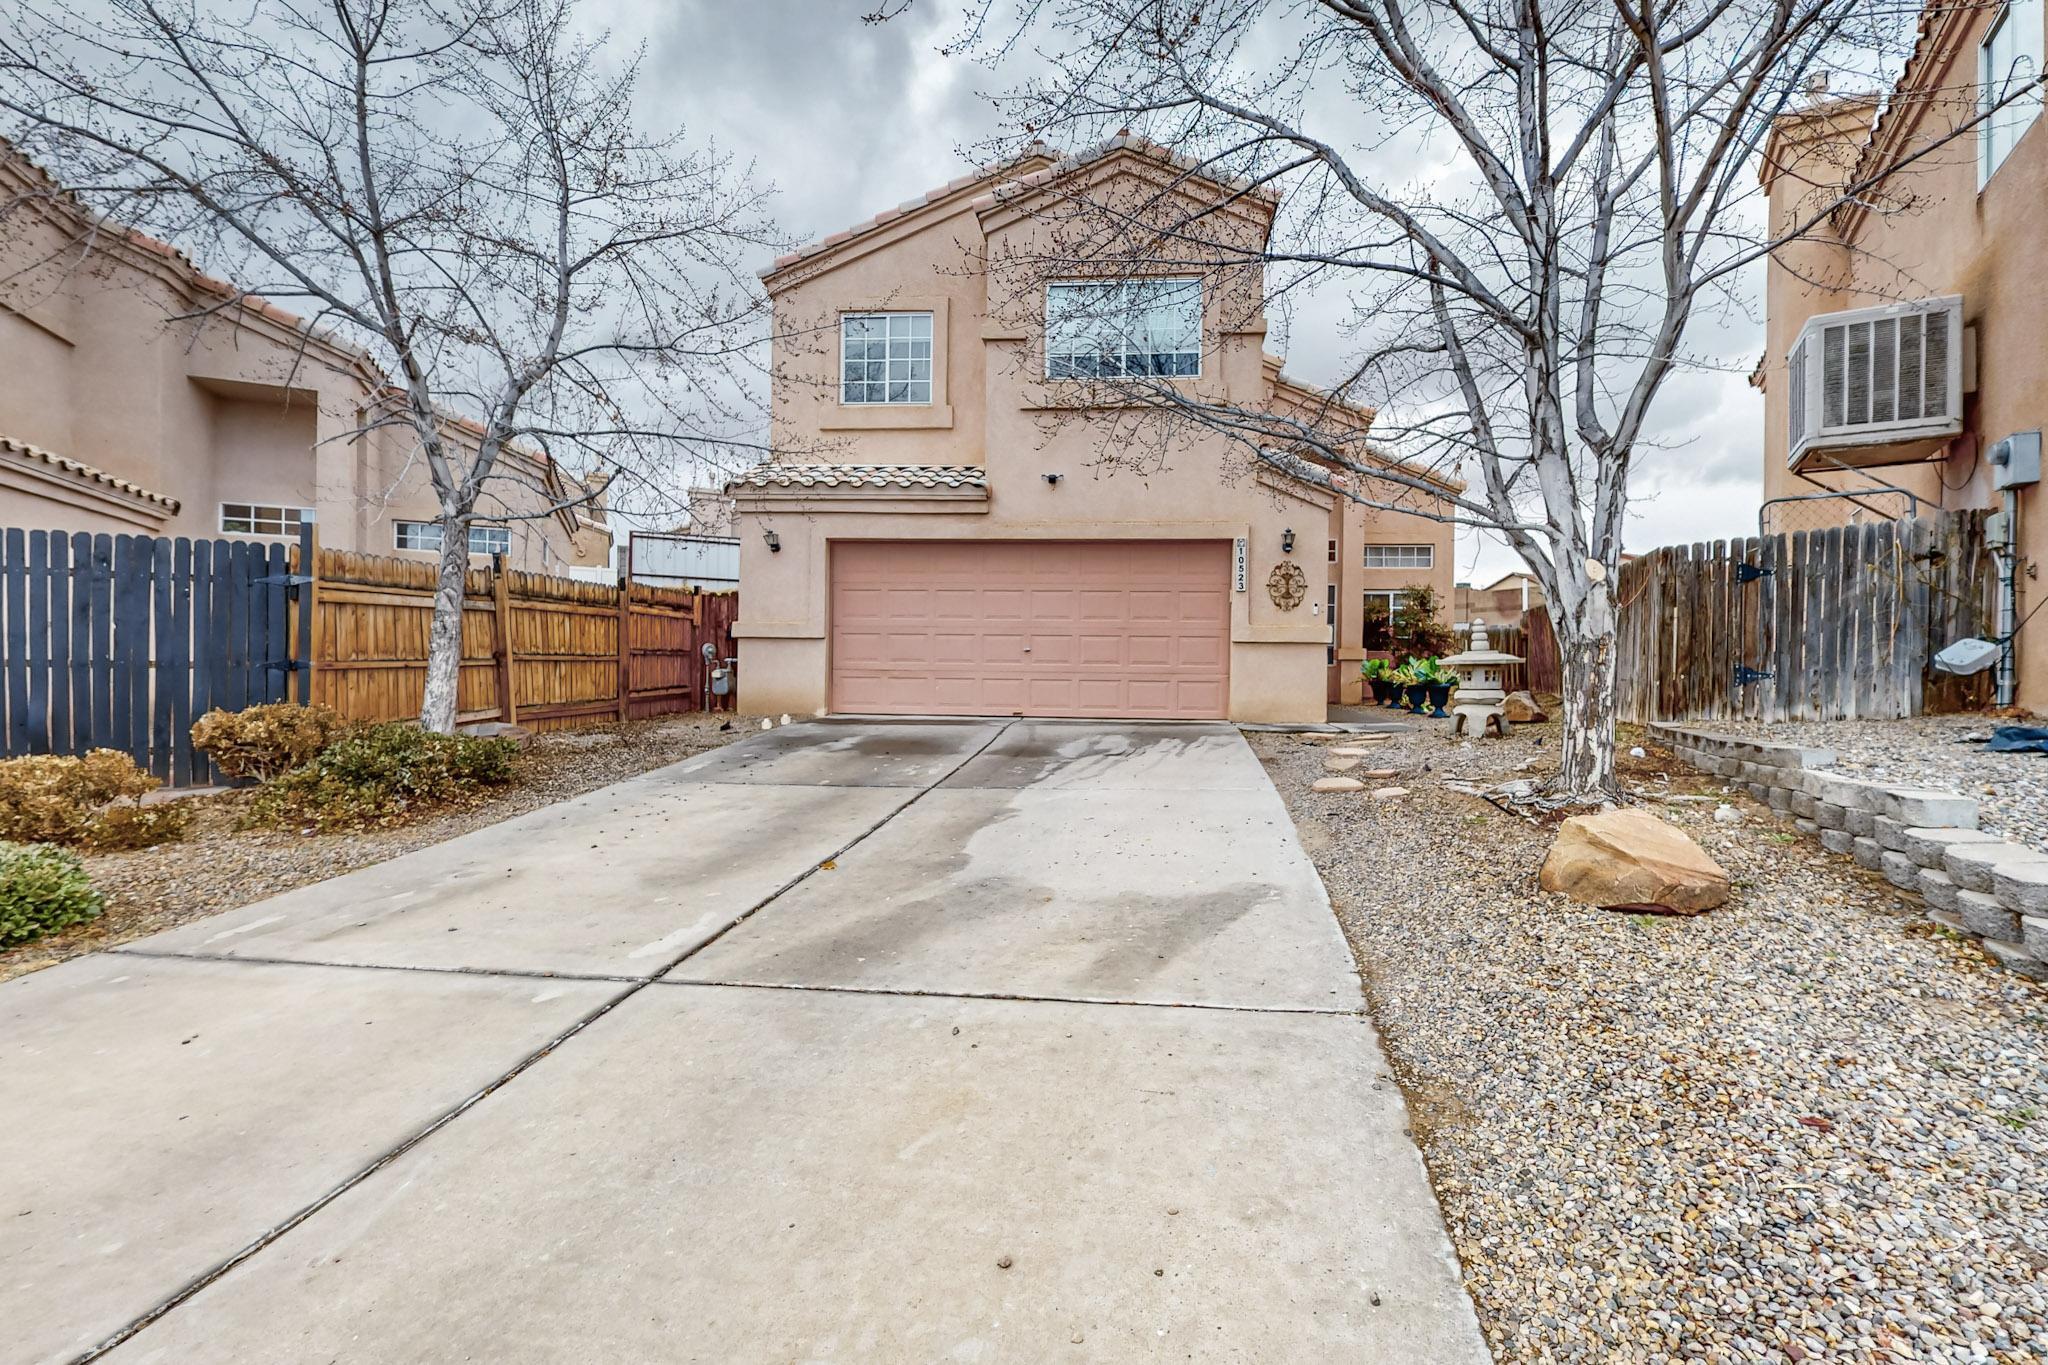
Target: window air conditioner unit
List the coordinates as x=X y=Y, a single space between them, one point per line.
x=1876 y=386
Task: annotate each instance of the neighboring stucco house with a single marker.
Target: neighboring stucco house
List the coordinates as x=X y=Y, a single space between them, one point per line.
x=935 y=535
x=235 y=421
x=1500 y=602
x=1908 y=336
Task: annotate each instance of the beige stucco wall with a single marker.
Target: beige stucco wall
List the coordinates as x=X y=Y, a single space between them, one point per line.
x=233 y=407
x=1946 y=236
x=1121 y=476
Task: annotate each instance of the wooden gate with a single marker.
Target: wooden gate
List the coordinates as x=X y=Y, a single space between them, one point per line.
x=121 y=642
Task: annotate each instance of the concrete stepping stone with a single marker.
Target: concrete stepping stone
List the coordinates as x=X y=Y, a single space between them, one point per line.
x=1341 y=765
x=1336 y=784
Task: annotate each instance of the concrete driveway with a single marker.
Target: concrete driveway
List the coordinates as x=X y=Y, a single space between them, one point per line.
x=874 y=1041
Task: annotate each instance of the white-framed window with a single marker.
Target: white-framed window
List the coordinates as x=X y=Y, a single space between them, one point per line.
x=1400 y=556
x=885 y=358
x=261 y=519
x=1379 y=629
x=2009 y=61
x=1125 y=328
x=1333 y=621
x=426 y=535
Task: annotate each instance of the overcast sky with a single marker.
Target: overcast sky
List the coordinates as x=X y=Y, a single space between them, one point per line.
x=846 y=119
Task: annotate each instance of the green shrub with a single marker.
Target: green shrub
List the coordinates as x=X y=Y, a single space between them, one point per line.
x=381 y=775
x=41 y=889
x=265 y=741
x=49 y=799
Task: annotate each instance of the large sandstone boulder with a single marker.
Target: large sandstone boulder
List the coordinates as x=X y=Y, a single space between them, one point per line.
x=1632 y=858
x=1522 y=709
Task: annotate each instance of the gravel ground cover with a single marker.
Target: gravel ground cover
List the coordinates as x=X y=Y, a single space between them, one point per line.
x=217 y=867
x=1807 y=1126
x=1930 y=751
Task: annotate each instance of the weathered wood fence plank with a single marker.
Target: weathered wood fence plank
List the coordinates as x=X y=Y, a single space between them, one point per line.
x=1845 y=624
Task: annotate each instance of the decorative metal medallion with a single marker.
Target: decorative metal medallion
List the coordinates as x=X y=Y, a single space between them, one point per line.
x=1287 y=585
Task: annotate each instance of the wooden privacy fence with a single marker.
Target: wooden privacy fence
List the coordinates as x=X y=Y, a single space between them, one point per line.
x=1532 y=639
x=1815 y=625
x=544 y=652
x=121 y=642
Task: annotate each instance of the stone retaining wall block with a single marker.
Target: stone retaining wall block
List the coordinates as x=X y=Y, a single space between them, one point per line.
x=1899 y=870
x=1937 y=888
x=1985 y=917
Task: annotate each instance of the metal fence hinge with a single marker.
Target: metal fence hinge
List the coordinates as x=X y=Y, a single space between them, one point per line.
x=285 y=665
x=1745 y=675
x=1750 y=573
x=290 y=580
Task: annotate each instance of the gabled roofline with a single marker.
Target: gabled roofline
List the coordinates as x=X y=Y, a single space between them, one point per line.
x=933 y=203
x=995 y=187
x=1284 y=384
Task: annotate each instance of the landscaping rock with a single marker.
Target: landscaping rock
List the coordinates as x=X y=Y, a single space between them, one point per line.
x=1858 y=822
x=1371 y=773
x=1937 y=888
x=1337 y=784
x=1838 y=841
x=1867 y=853
x=498 y=729
x=1727 y=815
x=1806 y=826
x=1803 y=805
x=1827 y=815
x=1388 y=793
x=1521 y=709
x=1899 y=870
x=2022 y=886
x=1630 y=857
x=1340 y=765
x=1972 y=864
x=1984 y=916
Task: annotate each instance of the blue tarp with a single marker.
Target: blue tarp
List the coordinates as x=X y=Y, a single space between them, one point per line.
x=2018 y=739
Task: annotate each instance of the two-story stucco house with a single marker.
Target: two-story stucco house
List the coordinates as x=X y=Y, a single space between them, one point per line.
x=1907 y=337
x=934 y=537
x=139 y=395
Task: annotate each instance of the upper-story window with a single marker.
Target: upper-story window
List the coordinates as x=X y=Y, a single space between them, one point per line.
x=1400 y=556
x=258 y=519
x=426 y=535
x=2009 y=64
x=1127 y=328
x=885 y=358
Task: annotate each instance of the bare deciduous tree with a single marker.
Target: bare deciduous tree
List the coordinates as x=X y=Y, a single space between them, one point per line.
x=460 y=190
x=1528 y=202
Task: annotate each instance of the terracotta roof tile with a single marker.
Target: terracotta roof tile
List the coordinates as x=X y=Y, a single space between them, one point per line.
x=848 y=476
x=85 y=472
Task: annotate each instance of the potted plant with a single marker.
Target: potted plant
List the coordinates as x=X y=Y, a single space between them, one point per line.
x=1414 y=686
x=1376 y=671
x=1440 y=683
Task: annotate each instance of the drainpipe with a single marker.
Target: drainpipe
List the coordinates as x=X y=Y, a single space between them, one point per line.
x=2008 y=598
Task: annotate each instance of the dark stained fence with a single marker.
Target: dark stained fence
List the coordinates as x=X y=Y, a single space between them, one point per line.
x=121 y=642
x=1812 y=625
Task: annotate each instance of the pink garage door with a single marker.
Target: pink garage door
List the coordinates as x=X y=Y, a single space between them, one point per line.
x=1032 y=628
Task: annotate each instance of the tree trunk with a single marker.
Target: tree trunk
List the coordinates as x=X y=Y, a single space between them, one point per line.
x=1585 y=646
x=444 y=637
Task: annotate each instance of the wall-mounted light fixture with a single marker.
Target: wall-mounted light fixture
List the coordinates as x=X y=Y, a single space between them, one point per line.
x=774 y=542
x=1287 y=541
x=1053 y=479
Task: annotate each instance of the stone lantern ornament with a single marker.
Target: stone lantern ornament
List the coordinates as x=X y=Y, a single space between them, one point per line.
x=1481 y=697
